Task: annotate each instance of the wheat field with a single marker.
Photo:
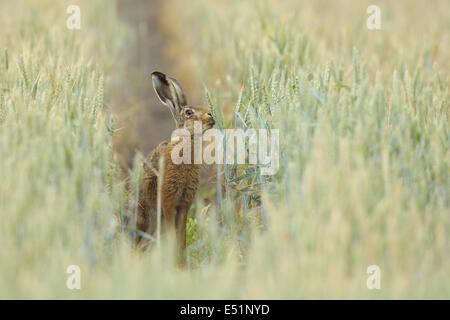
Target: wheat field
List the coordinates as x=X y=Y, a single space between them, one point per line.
x=363 y=180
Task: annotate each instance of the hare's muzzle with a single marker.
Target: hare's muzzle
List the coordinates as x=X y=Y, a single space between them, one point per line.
x=208 y=121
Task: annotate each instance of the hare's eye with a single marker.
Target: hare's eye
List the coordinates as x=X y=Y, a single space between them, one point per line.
x=189 y=112
x=209 y=114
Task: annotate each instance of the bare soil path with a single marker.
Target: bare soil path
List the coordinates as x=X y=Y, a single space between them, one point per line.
x=143 y=121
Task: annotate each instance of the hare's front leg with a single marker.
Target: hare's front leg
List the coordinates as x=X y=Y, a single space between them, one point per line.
x=181 y=220
x=187 y=198
x=171 y=194
x=168 y=209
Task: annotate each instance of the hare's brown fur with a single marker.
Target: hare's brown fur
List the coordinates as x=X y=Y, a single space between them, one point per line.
x=179 y=181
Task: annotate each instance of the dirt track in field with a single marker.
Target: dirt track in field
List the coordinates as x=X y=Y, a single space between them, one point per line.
x=143 y=121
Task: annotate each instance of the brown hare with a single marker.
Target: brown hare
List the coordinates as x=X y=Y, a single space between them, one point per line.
x=179 y=181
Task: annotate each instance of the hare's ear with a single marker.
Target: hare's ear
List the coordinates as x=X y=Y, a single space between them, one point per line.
x=179 y=92
x=169 y=91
